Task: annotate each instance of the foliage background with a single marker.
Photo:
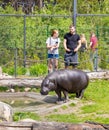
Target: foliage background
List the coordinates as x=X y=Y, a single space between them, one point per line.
x=24 y=35
x=37 y=29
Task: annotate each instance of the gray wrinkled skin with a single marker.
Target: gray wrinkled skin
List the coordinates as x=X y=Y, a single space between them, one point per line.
x=66 y=81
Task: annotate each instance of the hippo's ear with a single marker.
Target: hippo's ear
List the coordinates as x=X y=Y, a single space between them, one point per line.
x=54 y=82
x=45 y=82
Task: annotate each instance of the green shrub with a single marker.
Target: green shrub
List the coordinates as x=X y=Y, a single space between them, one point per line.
x=38 y=70
x=3 y=89
x=21 y=70
x=11 y=70
x=35 y=70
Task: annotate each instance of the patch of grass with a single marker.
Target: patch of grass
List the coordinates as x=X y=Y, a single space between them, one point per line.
x=55 y=110
x=103 y=120
x=90 y=108
x=74 y=118
x=63 y=118
x=23 y=115
x=3 y=89
x=64 y=107
x=98 y=91
x=52 y=93
x=93 y=118
x=72 y=105
x=37 y=90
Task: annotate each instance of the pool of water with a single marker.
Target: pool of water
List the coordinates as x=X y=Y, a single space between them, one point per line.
x=28 y=101
x=21 y=101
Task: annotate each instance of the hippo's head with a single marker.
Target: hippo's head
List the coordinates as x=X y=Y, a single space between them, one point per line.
x=46 y=86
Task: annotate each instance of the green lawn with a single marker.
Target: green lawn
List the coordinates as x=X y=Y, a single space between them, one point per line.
x=93 y=107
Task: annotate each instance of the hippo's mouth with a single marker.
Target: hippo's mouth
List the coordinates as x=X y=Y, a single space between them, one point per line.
x=43 y=93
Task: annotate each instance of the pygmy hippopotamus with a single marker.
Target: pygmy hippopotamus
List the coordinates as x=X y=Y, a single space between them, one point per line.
x=66 y=81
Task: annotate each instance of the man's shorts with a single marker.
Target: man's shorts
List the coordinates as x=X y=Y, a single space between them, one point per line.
x=71 y=59
x=51 y=56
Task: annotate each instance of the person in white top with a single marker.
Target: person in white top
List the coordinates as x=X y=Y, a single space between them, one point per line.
x=52 y=43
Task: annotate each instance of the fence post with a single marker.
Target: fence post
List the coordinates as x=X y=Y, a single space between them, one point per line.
x=74 y=12
x=15 y=62
x=97 y=30
x=96 y=60
x=47 y=30
x=24 y=51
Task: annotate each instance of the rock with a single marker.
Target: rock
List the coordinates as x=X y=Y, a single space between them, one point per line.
x=98 y=75
x=27 y=89
x=27 y=120
x=6 y=112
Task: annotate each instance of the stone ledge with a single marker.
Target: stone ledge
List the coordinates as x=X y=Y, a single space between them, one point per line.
x=35 y=125
x=36 y=82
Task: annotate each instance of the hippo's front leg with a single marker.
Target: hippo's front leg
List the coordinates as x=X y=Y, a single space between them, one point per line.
x=58 y=92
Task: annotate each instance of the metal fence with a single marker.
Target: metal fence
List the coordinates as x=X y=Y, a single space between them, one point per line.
x=22 y=43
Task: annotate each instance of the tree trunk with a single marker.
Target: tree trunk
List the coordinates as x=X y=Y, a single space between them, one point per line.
x=36 y=82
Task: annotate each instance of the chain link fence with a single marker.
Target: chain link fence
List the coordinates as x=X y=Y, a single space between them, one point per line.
x=23 y=49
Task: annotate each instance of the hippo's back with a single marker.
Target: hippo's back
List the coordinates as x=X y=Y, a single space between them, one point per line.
x=72 y=80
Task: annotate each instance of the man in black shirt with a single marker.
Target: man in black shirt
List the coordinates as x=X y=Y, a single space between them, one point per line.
x=72 y=43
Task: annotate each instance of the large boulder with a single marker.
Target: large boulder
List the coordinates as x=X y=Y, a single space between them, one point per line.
x=6 y=112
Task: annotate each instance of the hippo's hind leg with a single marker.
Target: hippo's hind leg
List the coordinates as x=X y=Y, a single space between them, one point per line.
x=80 y=94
